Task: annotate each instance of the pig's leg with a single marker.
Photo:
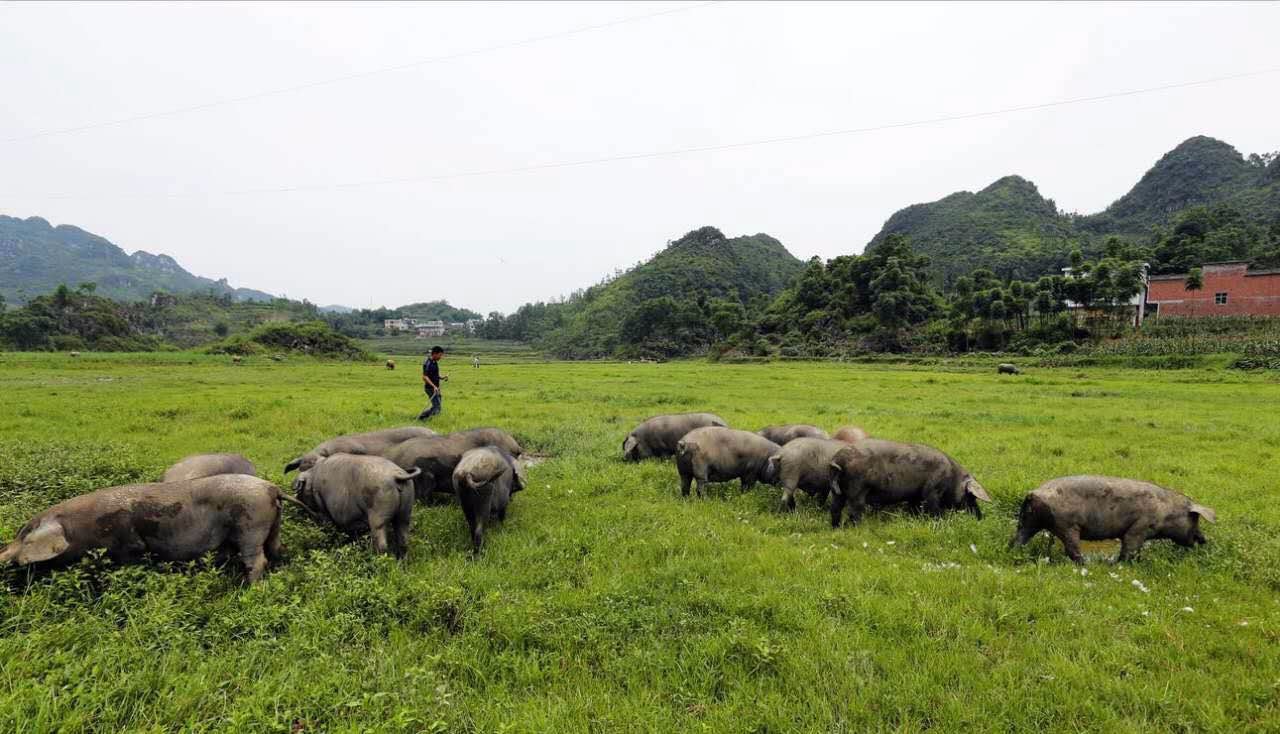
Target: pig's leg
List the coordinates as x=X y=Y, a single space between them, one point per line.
x=1132 y=542
x=837 y=509
x=1070 y=537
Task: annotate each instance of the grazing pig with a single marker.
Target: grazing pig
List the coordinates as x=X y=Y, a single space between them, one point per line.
x=659 y=435
x=850 y=434
x=881 y=473
x=1090 y=507
x=1005 y=368
x=484 y=480
x=716 y=454
x=788 y=432
x=391 y=364
x=437 y=456
x=208 y=465
x=373 y=443
x=173 y=521
x=362 y=493
x=804 y=463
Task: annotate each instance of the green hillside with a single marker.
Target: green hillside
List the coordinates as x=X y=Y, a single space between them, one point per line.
x=667 y=306
x=36 y=257
x=1007 y=227
x=1011 y=229
x=437 y=311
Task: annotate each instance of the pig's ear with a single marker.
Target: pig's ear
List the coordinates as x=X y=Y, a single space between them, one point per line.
x=837 y=471
x=972 y=487
x=1205 y=512
x=46 y=541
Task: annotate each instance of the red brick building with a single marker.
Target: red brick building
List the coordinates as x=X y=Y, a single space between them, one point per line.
x=1230 y=289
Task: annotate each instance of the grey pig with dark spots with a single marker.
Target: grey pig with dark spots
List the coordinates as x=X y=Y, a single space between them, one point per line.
x=209 y=465
x=659 y=435
x=879 y=473
x=717 y=454
x=1091 y=507
x=172 y=521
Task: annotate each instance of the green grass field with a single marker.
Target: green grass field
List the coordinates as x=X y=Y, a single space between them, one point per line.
x=609 y=603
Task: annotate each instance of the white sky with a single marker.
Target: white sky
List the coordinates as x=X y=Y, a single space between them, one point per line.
x=708 y=75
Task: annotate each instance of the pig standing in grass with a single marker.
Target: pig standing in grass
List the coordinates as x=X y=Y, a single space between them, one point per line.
x=359 y=494
x=437 y=456
x=172 y=521
x=804 y=463
x=1090 y=507
x=880 y=473
x=788 y=432
x=717 y=454
x=373 y=443
x=484 y=481
x=659 y=435
x=209 y=465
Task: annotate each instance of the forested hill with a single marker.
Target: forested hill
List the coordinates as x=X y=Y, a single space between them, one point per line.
x=437 y=311
x=1010 y=228
x=1007 y=227
x=36 y=257
x=675 y=298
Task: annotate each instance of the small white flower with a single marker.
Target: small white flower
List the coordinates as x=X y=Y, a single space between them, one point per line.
x=1113 y=575
x=1084 y=572
x=1187 y=609
x=864 y=544
x=891 y=542
x=1140 y=587
x=1146 y=613
x=974 y=548
x=1244 y=623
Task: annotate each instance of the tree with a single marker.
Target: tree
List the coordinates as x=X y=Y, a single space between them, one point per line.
x=1195 y=280
x=221 y=329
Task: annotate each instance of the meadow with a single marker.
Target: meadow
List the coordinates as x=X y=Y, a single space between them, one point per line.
x=608 y=602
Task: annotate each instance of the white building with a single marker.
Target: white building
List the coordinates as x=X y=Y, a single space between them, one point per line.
x=398 y=324
x=430 y=328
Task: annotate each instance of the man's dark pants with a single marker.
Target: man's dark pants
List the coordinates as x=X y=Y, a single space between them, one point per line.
x=434 y=407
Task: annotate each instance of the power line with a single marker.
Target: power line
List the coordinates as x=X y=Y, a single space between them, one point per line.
x=707 y=148
x=353 y=76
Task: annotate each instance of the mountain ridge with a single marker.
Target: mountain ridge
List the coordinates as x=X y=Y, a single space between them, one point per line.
x=36 y=257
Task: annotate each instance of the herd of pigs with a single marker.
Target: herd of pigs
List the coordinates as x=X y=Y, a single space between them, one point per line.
x=369 y=482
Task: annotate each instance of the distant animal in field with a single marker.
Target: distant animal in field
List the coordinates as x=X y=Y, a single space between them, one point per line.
x=659 y=435
x=718 y=454
x=484 y=480
x=75 y=354
x=437 y=456
x=208 y=465
x=787 y=432
x=1091 y=507
x=237 y=359
x=883 y=473
x=172 y=521
x=373 y=443
x=849 y=434
x=805 y=464
x=362 y=494
x=391 y=364
x=1005 y=368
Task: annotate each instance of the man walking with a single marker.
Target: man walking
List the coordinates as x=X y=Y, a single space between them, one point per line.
x=431 y=379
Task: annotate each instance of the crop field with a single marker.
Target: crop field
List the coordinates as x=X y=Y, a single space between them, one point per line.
x=608 y=602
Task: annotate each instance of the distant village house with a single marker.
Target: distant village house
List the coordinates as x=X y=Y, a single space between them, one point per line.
x=1230 y=289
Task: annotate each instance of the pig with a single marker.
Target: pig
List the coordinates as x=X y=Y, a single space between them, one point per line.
x=1005 y=368
x=849 y=434
x=659 y=435
x=373 y=443
x=881 y=473
x=172 y=521
x=1091 y=507
x=208 y=465
x=484 y=480
x=437 y=456
x=717 y=454
x=362 y=493
x=785 y=433
x=804 y=463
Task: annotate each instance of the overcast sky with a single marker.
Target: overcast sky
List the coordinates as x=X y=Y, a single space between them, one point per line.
x=196 y=185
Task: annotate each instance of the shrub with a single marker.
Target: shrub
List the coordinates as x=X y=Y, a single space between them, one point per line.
x=315 y=338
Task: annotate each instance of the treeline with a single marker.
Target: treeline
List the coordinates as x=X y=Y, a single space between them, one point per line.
x=886 y=301
x=366 y=323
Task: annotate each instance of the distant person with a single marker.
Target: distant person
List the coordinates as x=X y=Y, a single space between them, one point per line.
x=431 y=379
x=476 y=361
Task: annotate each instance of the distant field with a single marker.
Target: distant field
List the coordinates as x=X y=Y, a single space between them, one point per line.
x=459 y=350
x=609 y=603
